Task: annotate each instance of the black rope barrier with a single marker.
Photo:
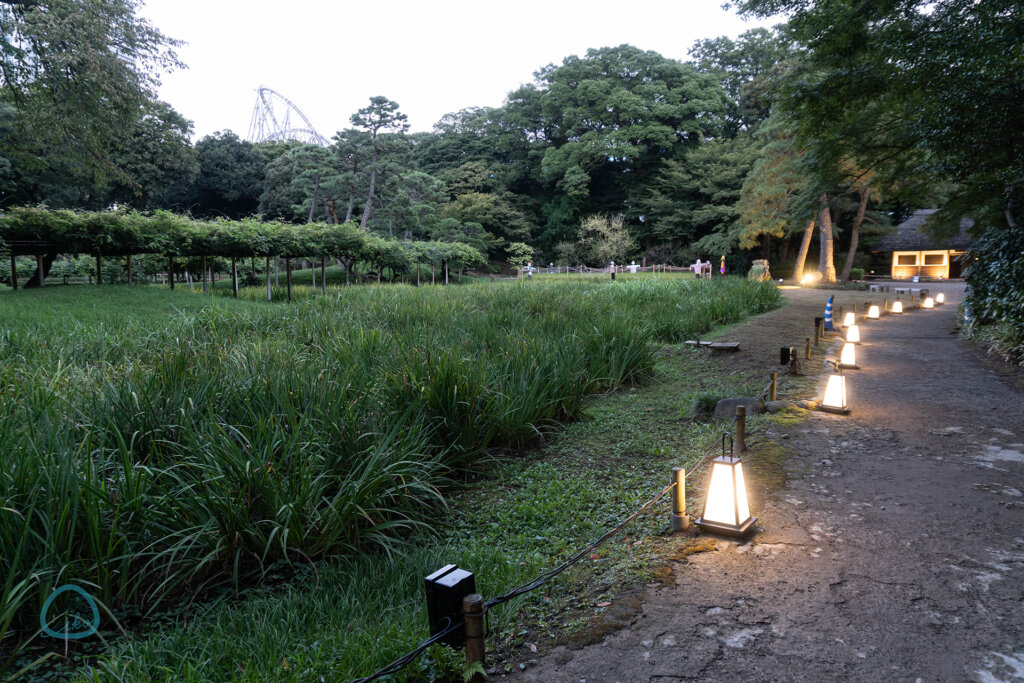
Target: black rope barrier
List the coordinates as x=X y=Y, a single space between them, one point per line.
x=405 y=660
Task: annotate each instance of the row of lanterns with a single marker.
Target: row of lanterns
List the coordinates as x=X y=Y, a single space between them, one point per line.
x=835 y=389
x=726 y=508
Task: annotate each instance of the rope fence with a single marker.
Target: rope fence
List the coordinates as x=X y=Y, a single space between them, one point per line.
x=543 y=578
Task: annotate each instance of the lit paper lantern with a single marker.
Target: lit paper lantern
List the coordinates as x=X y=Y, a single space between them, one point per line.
x=849 y=319
x=848 y=357
x=897 y=307
x=835 y=395
x=874 y=313
x=940 y=298
x=726 y=510
x=853 y=334
x=928 y=303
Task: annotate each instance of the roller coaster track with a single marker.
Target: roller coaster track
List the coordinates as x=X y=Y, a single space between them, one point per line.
x=272 y=120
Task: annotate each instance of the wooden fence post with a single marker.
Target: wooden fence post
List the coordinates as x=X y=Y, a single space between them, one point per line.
x=473 y=607
x=773 y=391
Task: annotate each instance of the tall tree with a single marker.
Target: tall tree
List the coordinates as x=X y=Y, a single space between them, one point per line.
x=230 y=178
x=747 y=68
x=78 y=73
x=381 y=116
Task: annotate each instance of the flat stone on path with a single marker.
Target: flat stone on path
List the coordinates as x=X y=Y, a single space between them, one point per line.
x=726 y=408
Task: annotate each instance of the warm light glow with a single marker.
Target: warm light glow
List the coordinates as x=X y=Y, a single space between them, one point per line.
x=849 y=355
x=940 y=298
x=849 y=319
x=897 y=307
x=835 y=392
x=807 y=279
x=928 y=303
x=727 y=494
x=853 y=334
x=873 y=312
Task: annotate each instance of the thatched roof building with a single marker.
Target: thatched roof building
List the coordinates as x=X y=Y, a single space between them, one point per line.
x=915 y=253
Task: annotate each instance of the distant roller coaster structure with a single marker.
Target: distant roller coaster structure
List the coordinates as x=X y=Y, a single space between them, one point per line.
x=272 y=120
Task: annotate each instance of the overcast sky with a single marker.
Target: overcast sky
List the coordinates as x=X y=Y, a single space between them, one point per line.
x=329 y=58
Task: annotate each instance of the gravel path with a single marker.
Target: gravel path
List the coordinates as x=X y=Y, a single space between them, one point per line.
x=895 y=552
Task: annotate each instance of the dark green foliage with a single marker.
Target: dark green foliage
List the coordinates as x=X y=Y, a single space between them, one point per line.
x=996 y=294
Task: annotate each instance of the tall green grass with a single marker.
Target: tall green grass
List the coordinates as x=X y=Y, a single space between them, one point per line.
x=158 y=445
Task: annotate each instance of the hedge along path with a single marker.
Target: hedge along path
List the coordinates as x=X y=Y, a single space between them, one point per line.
x=35 y=231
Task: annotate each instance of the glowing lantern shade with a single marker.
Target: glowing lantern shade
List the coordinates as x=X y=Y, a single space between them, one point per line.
x=849 y=319
x=848 y=358
x=874 y=313
x=726 y=510
x=928 y=303
x=940 y=298
x=835 y=395
x=897 y=307
x=853 y=334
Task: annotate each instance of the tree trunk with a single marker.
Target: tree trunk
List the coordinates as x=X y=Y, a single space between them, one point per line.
x=14 y=272
x=369 y=196
x=234 y=277
x=826 y=266
x=204 y=275
x=445 y=263
x=288 y=277
x=312 y=272
x=855 y=234
x=269 y=297
x=99 y=271
x=129 y=269
x=170 y=271
x=801 y=256
x=316 y=193
x=323 y=275
x=351 y=204
x=277 y=274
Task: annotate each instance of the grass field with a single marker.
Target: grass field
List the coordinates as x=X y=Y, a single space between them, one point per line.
x=161 y=445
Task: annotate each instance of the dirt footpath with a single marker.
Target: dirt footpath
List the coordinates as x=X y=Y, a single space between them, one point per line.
x=895 y=552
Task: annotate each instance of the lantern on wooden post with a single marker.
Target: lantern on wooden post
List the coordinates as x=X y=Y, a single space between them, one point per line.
x=835 y=392
x=726 y=510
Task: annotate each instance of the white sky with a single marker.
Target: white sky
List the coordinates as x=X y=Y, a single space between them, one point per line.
x=329 y=58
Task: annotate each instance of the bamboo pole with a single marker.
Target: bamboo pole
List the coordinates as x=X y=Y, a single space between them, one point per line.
x=473 y=608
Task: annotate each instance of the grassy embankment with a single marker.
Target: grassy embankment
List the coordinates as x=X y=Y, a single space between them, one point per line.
x=160 y=444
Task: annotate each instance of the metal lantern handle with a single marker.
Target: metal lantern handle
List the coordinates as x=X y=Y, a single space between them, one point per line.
x=729 y=435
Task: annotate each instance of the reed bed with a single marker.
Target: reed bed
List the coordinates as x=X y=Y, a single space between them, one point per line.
x=158 y=445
